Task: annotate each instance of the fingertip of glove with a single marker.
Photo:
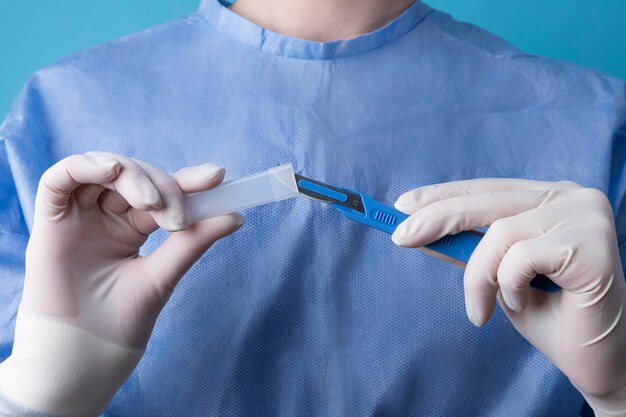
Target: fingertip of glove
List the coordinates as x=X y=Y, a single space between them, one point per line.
x=402 y=204
x=399 y=236
x=111 y=165
x=511 y=302
x=216 y=173
x=178 y=223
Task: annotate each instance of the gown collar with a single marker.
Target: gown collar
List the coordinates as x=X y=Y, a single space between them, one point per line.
x=225 y=21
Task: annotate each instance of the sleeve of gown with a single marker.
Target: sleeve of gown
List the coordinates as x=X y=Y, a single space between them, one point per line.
x=13 y=238
x=19 y=125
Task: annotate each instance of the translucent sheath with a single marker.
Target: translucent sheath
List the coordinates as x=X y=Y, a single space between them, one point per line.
x=275 y=184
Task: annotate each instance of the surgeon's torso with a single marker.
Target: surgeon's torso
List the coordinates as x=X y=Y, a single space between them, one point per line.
x=303 y=312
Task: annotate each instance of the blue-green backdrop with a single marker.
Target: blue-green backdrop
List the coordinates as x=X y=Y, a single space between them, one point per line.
x=34 y=33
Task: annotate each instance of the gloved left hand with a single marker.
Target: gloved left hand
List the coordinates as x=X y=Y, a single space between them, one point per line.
x=558 y=229
x=90 y=302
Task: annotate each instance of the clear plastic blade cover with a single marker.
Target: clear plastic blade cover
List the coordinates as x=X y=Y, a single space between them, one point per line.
x=274 y=184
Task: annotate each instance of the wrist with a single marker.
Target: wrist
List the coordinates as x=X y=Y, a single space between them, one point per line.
x=61 y=369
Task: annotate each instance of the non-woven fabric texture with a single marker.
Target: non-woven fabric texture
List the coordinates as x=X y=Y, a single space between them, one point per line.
x=303 y=312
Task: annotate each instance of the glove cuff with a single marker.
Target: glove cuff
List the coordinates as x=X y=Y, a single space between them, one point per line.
x=60 y=369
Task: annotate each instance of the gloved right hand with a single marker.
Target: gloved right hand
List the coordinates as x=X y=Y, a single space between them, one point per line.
x=90 y=302
x=560 y=229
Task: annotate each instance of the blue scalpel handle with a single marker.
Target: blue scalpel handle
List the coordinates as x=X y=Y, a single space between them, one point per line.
x=455 y=249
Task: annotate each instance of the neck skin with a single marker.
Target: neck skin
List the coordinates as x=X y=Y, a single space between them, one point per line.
x=321 y=20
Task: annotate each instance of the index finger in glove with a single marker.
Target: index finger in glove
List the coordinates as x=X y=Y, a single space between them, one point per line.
x=416 y=199
x=61 y=179
x=453 y=215
x=189 y=180
x=133 y=183
x=172 y=216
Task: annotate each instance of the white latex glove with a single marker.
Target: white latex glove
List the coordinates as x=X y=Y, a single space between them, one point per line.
x=90 y=302
x=558 y=229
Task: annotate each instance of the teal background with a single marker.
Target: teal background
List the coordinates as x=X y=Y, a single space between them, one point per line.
x=34 y=33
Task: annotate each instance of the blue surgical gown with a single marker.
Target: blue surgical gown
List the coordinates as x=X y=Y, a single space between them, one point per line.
x=303 y=312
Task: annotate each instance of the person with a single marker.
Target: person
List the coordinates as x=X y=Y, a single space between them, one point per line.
x=303 y=312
